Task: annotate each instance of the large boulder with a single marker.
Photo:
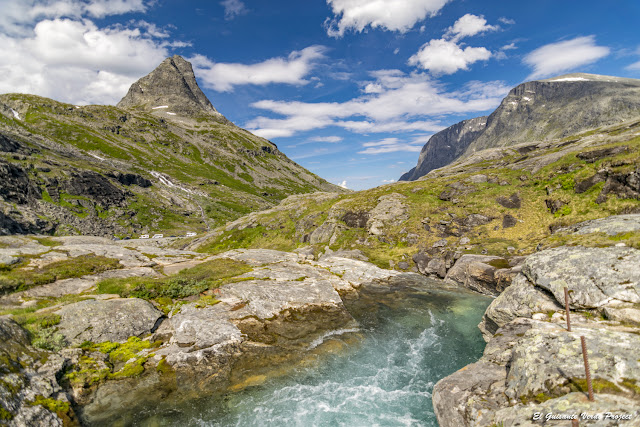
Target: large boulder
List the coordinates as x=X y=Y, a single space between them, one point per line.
x=476 y=273
x=109 y=320
x=594 y=276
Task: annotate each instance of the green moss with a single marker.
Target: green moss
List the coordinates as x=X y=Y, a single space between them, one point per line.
x=563 y=211
x=499 y=263
x=5 y=415
x=87 y=372
x=132 y=369
x=631 y=384
x=57 y=406
x=164 y=368
x=599 y=386
x=206 y=301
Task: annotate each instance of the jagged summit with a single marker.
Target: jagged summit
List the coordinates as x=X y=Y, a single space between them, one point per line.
x=170 y=89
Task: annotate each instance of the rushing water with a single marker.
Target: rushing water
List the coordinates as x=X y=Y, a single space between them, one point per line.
x=406 y=343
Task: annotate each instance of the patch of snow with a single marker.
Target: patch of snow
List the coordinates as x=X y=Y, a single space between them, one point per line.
x=162 y=106
x=97 y=157
x=526 y=98
x=172 y=114
x=571 y=79
x=513 y=102
x=77 y=106
x=15 y=114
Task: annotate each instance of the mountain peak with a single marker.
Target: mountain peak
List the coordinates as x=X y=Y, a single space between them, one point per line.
x=171 y=89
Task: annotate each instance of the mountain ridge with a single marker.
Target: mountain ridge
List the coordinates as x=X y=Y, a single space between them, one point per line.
x=134 y=168
x=539 y=110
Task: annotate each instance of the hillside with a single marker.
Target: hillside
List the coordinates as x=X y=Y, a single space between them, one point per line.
x=503 y=201
x=535 y=111
x=163 y=161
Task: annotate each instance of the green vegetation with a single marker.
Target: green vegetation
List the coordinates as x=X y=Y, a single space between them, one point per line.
x=56 y=406
x=41 y=329
x=164 y=291
x=599 y=386
x=19 y=278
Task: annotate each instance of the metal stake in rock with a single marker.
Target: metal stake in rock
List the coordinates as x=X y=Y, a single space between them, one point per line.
x=586 y=367
x=566 y=307
x=575 y=423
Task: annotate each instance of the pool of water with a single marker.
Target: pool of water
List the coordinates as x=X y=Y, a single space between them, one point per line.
x=380 y=375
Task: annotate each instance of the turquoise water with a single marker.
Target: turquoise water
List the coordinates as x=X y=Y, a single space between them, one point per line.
x=407 y=341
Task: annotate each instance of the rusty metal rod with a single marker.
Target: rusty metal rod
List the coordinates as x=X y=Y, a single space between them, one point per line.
x=566 y=307
x=586 y=367
x=575 y=423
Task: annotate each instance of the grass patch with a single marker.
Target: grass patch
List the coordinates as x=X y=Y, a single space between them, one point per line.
x=42 y=330
x=19 y=279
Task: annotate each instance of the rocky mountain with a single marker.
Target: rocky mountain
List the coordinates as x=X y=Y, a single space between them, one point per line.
x=535 y=111
x=164 y=160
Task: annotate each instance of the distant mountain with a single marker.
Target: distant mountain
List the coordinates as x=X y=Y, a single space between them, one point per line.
x=535 y=111
x=164 y=160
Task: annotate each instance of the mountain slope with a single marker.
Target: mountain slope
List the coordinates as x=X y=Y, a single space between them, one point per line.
x=135 y=168
x=538 y=111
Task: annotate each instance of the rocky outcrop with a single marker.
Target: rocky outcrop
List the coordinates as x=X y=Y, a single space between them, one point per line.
x=272 y=315
x=445 y=146
x=30 y=394
x=112 y=320
x=172 y=86
x=532 y=364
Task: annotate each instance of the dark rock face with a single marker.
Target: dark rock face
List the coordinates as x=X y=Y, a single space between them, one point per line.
x=8 y=144
x=446 y=146
x=16 y=186
x=356 y=219
x=508 y=221
x=131 y=179
x=586 y=184
x=96 y=187
x=172 y=84
x=537 y=110
x=593 y=156
x=513 y=202
x=554 y=205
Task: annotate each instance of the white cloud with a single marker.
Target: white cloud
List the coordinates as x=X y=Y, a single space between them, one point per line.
x=567 y=55
x=233 y=8
x=77 y=62
x=343 y=184
x=469 y=25
x=392 y=15
x=441 y=56
x=445 y=55
x=19 y=16
x=388 y=181
x=223 y=77
x=634 y=66
x=329 y=139
x=388 y=145
x=402 y=103
x=506 y=21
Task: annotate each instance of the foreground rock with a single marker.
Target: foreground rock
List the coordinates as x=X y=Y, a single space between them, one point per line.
x=532 y=364
x=270 y=316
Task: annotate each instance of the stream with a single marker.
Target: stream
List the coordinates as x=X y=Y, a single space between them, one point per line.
x=380 y=375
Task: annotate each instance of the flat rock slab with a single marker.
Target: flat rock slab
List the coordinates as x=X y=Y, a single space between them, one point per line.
x=612 y=225
x=83 y=284
x=258 y=257
x=127 y=257
x=569 y=404
x=109 y=320
x=354 y=271
x=595 y=276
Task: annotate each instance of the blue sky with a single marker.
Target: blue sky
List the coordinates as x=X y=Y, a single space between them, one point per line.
x=350 y=89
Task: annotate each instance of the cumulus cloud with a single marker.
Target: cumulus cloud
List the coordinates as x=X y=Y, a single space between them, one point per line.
x=222 y=77
x=343 y=184
x=469 y=25
x=76 y=61
x=441 y=56
x=567 y=55
x=402 y=103
x=19 y=16
x=233 y=8
x=391 y=15
x=446 y=55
